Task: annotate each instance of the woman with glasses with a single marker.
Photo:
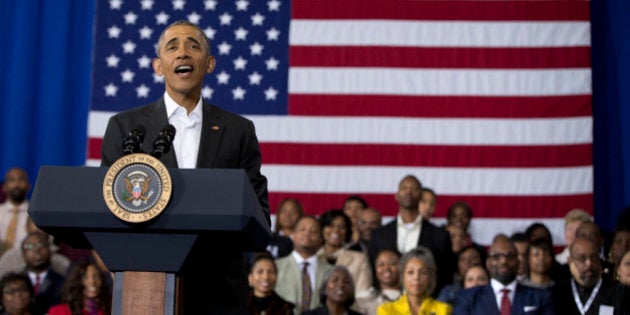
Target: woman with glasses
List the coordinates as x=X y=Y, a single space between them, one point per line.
x=16 y=294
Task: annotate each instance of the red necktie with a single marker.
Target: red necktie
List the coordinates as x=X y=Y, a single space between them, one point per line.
x=306 y=288
x=505 y=302
x=37 y=284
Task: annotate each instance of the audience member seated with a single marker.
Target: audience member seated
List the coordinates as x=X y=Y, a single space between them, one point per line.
x=428 y=202
x=387 y=288
x=419 y=276
x=586 y=289
x=86 y=291
x=336 y=293
x=13 y=212
x=17 y=295
x=539 y=263
x=521 y=243
x=476 y=276
x=352 y=207
x=620 y=295
x=459 y=239
x=503 y=295
x=538 y=230
x=370 y=219
x=288 y=213
x=409 y=231
x=336 y=231
x=262 y=277
x=468 y=257
x=590 y=231
x=13 y=260
x=301 y=273
x=572 y=221
x=620 y=244
x=46 y=282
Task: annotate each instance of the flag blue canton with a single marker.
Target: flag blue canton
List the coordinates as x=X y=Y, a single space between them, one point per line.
x=249 y=40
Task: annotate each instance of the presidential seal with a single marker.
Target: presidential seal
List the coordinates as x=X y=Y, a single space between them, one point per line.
x=137 y=188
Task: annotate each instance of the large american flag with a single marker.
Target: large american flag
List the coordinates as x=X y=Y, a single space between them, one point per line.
x=488 y=102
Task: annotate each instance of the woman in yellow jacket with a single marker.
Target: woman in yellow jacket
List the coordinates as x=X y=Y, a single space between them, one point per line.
x=418 y=272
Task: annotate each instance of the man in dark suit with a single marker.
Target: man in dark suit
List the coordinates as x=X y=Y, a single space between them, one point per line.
x=409 y=230
x=586 y=291
x=504 y=295
x=46 y=283
x=207 y=137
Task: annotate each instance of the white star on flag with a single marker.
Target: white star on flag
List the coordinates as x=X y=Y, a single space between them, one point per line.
x=223 y=77
x=241 y=5
x=272 y=63
x=114 y=31
x=238 y=93
x=256 y=48
x=145 y=32
x=273 y=5
x=129 y=47
x=147 y=4
x=158 y=78
x=111 y=89
x=130 y=18
x=254 y=78
x=272 y=34
x=194 y=18
x=257 y=19
x=127 y=75
x=178 y=4
x=144 y=62
x=210 y=4
x=161 y=18
x=112 y=61
x=210 y=32
x=270 y=94
x=239 y=63
x=206 y=92
x=115 y=4
x=142 y=91
x=225 y=19
x=240 y=33
x=224 y=48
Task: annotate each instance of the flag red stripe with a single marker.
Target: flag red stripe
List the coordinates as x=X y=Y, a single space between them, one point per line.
x=483 y=206
x=442 y=10
x=440 y=106
x=426 y=155
x=440 y=57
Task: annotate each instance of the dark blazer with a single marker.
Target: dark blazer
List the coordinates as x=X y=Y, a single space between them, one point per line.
x=49 y=292
x=323 y=310
x=227 y=141
x=564 y=302
x=216 y=281
x=276 y=305
x=432 y=237
x=481 y=300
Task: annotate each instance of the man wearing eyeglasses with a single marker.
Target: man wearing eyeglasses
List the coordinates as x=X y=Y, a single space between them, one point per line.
x=46 y=283
x=586 y=292
x=504 y=295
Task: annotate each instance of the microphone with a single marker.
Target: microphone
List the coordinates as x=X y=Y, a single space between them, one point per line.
x=133 y=141
x=164 y=140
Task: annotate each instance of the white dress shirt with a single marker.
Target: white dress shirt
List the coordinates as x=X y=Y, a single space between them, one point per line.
x=311 y=268
x=408 y=234
x=498 y=286
x=188 y=131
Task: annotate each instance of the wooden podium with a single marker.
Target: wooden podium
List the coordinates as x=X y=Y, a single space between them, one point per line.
x=208 y=207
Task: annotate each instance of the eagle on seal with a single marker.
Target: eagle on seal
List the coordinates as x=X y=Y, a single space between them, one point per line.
x=137 y=188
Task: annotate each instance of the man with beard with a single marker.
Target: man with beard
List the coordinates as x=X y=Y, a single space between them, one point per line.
x=503 y=295
x=46 y=283
x=13 y=212
x=586 y=292
x=409 y=231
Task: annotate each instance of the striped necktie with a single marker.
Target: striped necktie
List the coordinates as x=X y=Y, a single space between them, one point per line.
x=306 y=288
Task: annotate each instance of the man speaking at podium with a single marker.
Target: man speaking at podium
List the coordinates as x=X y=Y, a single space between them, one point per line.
x=206 y=137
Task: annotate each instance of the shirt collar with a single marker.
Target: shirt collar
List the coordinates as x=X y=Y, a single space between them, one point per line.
x=416 y=222
x=300 y=260
x=172 y=107
x=498 y=286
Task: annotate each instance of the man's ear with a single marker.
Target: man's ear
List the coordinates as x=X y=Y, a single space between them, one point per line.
x=157 y=66
x=211 y=64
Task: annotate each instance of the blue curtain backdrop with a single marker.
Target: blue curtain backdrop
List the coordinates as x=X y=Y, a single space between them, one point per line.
x=45 y=87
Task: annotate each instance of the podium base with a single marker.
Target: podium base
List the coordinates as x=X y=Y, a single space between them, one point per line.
x=148 y=293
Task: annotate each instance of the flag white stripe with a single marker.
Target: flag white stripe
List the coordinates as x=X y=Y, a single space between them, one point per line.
x=448 y=181
x=374 y=130
x=439 y=33
x=455 y=82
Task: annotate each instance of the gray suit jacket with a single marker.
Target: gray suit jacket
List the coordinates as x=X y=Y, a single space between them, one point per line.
x=289 y=283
